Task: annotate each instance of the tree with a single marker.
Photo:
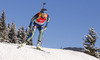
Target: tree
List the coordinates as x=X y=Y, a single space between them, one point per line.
x=13 y=34
x=3 y=28
x=89 y=43
x=2 y=22
x=8 y=31
x=21 y=34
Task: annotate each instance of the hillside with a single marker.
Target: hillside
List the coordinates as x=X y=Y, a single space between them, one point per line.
x=10 y=52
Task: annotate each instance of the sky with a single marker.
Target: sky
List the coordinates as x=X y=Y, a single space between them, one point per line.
x=70 y=20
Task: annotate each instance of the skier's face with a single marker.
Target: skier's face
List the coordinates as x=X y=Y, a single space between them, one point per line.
x=43 y=14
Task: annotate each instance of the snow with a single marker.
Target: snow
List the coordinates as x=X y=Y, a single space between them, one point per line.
x=10 y=52
x=1 y=27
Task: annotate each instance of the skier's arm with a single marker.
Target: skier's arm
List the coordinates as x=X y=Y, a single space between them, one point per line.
x=48 y=19
x=32 y=20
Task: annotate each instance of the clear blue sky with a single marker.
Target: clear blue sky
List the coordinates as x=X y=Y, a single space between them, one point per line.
x=70 y=19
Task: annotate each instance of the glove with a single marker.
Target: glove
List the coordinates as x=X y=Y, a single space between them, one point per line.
x=45 y=27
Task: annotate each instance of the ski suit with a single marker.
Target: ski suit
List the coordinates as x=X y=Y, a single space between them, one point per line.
x=38 y=23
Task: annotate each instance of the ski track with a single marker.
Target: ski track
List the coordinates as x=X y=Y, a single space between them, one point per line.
x=9 y=51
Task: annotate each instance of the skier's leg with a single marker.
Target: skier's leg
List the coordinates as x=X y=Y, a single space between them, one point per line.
x=40 y=37
x=31 y=34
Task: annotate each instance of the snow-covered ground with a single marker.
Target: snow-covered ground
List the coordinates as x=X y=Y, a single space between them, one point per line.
x=10 y=52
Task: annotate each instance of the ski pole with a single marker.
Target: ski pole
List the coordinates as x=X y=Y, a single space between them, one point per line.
x=42 y=37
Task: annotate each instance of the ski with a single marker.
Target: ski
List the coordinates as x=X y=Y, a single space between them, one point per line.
x=21 y=45
x=41 y=50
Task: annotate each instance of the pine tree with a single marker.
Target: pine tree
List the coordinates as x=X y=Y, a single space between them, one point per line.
x=2 y=22
x=21 y=34
x=1 y=39
x=13 y=34
x=8 y=31
x=89 y=43
x=3 y=28
x=5 y=35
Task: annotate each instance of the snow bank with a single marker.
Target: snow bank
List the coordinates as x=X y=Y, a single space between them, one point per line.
x=10 y=52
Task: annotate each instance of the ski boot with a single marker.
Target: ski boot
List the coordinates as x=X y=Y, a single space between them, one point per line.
x=38 y=45
x=21 y=45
